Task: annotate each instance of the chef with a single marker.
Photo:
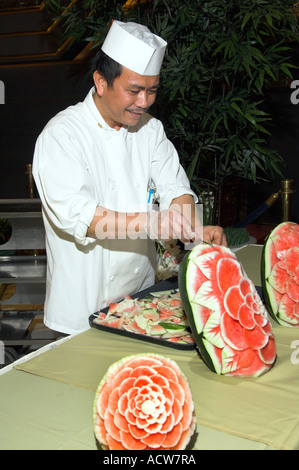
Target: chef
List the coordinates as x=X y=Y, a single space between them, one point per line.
x=111 y=184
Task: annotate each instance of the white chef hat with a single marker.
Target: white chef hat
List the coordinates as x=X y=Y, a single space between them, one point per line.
x=135 y=47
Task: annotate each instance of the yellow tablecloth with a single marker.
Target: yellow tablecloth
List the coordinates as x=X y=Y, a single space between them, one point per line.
x=231 y=412
x=265 y=409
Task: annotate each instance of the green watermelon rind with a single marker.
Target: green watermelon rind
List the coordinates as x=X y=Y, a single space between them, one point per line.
x=186 y=301
x=265 y=272
x=266 y=288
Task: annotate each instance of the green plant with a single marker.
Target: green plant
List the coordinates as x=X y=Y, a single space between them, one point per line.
x=221 y=57
x=236 y=236
x=89 y=20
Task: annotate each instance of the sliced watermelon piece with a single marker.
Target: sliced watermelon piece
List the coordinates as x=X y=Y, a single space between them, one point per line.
x=280 y=274
x=149 y=316
x=144 y=402
x=227 y=317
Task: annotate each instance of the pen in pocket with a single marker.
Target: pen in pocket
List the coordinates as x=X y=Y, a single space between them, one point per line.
x=151 y=194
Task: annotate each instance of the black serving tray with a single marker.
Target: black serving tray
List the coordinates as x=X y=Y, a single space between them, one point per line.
x=169 y=284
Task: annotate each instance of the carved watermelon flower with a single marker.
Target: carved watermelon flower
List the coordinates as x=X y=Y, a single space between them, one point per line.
x=280 y=274
x=227 y=317
x=144 y=403
x=246 y=328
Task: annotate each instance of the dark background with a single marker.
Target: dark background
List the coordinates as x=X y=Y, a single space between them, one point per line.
x=38 y=87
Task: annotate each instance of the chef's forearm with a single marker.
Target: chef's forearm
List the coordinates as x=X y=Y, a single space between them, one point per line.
x=209 y=233
x=109 y=224
x=164 y=225
x=186 y=205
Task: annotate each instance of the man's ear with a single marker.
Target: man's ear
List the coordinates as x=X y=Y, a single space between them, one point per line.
x=100 y=82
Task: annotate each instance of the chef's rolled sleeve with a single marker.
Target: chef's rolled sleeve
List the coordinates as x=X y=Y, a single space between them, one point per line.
x=64 y=183
x=84 y=220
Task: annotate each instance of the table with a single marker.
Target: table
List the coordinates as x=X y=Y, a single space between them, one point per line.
x=46 y=399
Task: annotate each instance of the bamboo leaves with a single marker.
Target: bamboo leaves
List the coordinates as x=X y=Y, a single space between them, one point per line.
x=220 y=59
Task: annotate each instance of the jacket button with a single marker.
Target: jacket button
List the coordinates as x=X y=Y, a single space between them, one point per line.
x=137 y=270
x=112 y=278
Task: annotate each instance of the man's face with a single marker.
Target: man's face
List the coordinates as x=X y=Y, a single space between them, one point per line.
x=124 y=103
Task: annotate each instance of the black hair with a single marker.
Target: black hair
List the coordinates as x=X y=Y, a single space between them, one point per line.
x=107 y=67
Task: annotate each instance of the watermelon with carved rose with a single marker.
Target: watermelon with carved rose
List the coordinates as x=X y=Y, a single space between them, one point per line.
x=280 y=274
x=227 y=317
x=144 y=402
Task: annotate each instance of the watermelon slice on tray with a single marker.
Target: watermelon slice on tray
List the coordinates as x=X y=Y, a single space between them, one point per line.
x=157 y=317
x=227 y=317
x=280 y=274
x=143 y=402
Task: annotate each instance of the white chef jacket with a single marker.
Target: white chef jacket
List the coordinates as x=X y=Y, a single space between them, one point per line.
x=79 y=163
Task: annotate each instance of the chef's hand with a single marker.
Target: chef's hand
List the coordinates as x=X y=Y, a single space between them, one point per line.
x=214 y=234
x=169 y=224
